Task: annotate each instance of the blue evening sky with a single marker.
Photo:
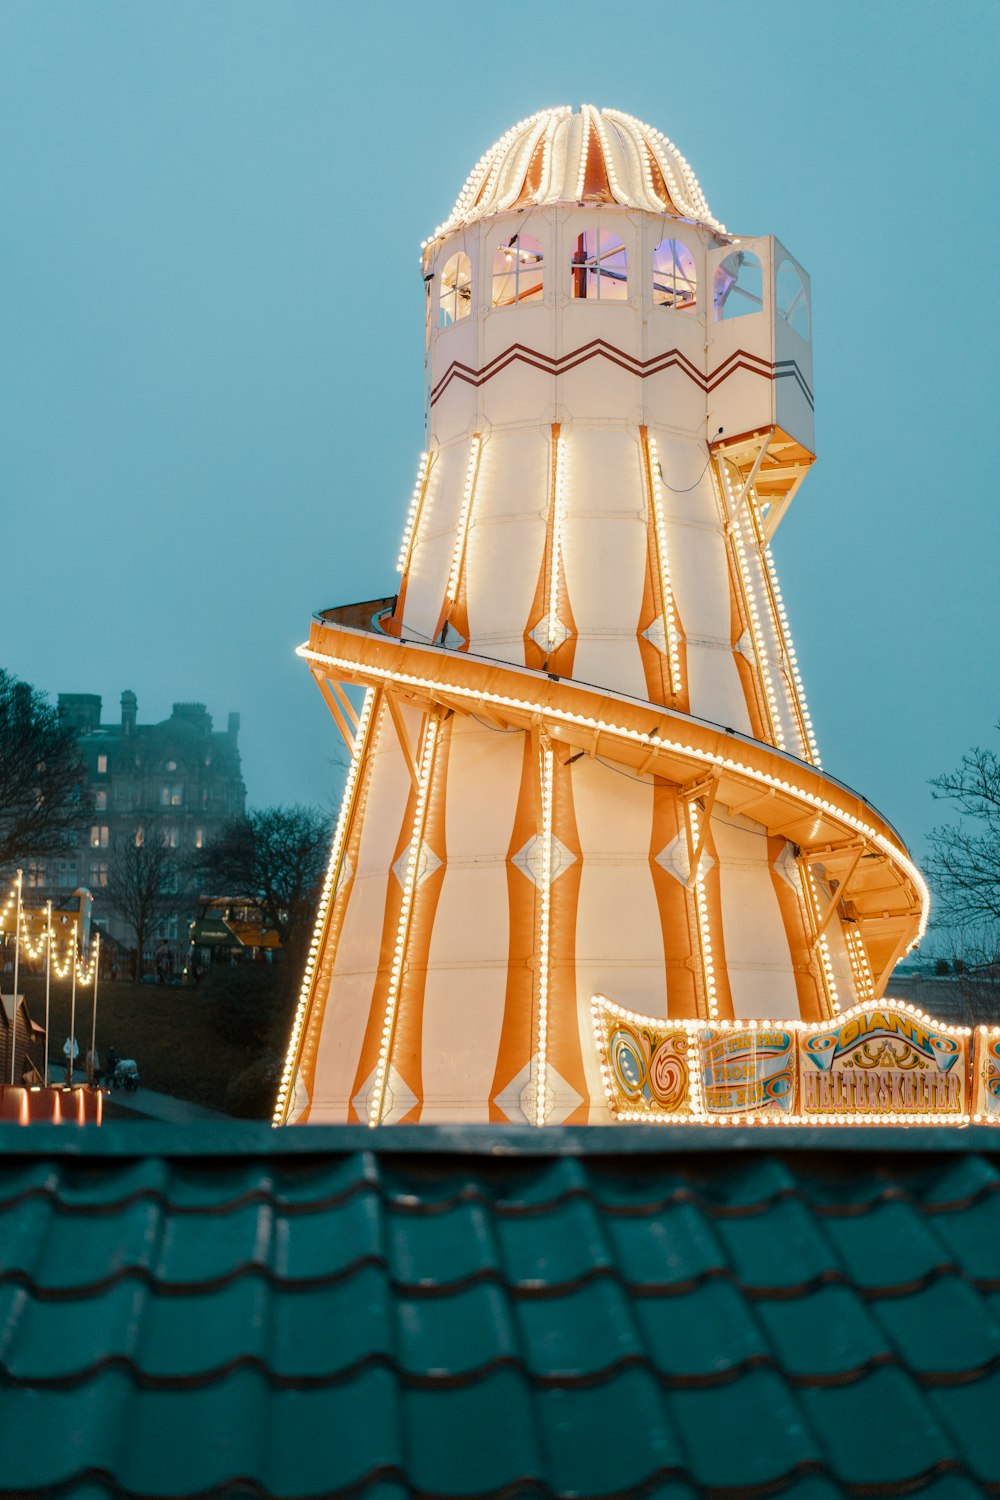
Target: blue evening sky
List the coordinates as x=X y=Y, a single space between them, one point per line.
x=211 y=331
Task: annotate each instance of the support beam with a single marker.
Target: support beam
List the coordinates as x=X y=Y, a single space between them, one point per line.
x=710 y=790
x=344 y=701
x=334 y=707
x=404 y=738
x=537 y=742
x=895 y=956
x=823 y=921
x=748 y=482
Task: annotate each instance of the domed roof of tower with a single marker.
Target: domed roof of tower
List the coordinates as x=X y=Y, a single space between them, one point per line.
x=596 y=156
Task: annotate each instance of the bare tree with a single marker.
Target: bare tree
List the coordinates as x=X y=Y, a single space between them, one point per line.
x=274 y=856
x=142 y=884
x=965 y=856
x=40 y=774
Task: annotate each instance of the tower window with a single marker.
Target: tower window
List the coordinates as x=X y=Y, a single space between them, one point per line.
x=739 y=287
x=675 y=279
x=791 y=298
x=456 y=290
x=517 y=271
x=600 y=267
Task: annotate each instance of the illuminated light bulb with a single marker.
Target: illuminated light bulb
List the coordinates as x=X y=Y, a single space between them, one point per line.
x=558 y=516
x=844 y=818
x=332 y=871
x=663 y=557
x=405 y=911
x=465 y=514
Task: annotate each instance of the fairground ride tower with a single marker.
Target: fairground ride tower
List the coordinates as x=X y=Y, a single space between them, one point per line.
x=584 y=761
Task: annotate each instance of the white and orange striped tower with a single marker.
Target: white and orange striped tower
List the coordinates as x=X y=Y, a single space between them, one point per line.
x=584 y=760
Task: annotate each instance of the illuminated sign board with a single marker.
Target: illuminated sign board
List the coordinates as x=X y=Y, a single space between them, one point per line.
x=881 y=1062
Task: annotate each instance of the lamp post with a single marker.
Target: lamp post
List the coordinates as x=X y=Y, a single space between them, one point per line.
x=17 y=957
x=72 y=1005
x=91 y=1068
x=48 y=982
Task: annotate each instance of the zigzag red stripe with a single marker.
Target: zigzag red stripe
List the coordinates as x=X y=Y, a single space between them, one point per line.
x=740 y=359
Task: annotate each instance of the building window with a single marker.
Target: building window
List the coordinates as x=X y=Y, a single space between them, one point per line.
x=140 y=837
x=675 y=280
x=600 y=267
x=455 y=301
x=517 y=271
x=100 y=801
x=99 y=836
x=171 y=796
x=66 y=874
x=739 y=287
x=170 y=838
x=102 y=765
x=98 y=874
x=171 y=765
x=36 y=876
x=199 y=838
x=791 y=299
x=166 y=929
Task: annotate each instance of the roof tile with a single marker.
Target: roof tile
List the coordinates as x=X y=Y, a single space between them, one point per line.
x=475 y=1439
x=676 y=1247
x=891 y=1247
x=903 y=1445
x=944 y=1329
x=441 y=1248
x=564 y=1246
x=464 y=1334
x=709 y=1335
x=826 y=1335
x=581 y=1335
x=419 y=1314
x=806 y=1253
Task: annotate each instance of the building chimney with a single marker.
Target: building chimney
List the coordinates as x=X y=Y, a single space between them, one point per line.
x=81 y=711
x=130 y=710
x=234 y=727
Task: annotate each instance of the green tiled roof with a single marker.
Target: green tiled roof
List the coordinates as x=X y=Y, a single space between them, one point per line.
x=431 y=1312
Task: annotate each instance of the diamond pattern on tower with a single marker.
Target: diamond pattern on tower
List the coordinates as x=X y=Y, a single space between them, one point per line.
x=674 y=859
x=529 y=859
x=745 y=647
x=427 y=863
x=397 y=1098
x=549 y=633
x=787 y=867
x=452 y=639
x=519 y=1100
x=656 y=634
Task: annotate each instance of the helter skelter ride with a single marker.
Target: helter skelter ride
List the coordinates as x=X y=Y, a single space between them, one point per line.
x=588 y=866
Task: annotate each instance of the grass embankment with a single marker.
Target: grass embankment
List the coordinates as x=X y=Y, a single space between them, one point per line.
x=181 y=1042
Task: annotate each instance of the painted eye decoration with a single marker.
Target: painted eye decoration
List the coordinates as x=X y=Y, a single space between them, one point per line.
x=628 y=1063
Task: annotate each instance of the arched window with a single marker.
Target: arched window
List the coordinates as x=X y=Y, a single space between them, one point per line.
x=600 y=267
x=739 y=287
x=675 y=280
x=517 y=271
x=455 y=300
x=790 y=296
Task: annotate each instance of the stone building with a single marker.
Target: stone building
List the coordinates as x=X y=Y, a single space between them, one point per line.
x=181 y=778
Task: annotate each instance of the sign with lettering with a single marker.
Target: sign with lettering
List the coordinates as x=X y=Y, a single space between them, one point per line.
x=986 y=1075
x=886 y=1060
x=747 y=1069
